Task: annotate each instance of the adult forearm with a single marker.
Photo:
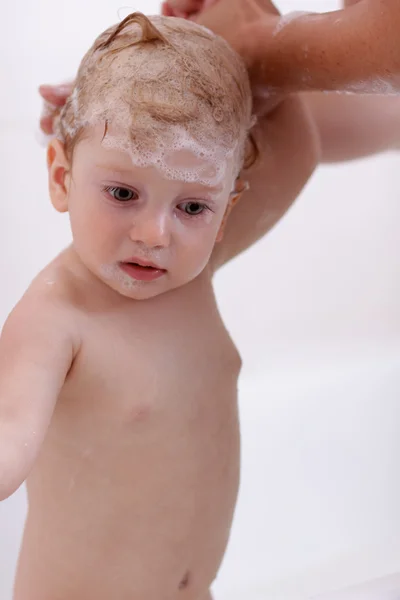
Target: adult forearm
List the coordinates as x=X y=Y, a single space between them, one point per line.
x=354 y=126
x=356 y=49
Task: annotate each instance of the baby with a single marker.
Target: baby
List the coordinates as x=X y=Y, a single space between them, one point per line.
x=118 y=379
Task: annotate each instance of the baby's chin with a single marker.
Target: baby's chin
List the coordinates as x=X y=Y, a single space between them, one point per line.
x=136 y=293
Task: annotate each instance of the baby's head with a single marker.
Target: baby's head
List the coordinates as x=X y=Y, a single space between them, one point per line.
x=148 y=152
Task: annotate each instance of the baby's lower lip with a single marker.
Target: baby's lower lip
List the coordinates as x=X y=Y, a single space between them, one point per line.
x=141 y=273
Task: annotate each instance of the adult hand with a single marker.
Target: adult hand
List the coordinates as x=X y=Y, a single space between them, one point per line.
x=54 y=97
x=184 y=8
x=225 y=17
x=232 y=19
x=356 y=49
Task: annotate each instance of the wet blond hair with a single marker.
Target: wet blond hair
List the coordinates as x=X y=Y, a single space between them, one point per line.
x=164 y=81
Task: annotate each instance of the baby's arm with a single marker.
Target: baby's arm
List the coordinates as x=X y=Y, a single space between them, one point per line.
x=288 y=146
x=289 y=151
x=354 y=126
x=36 y=353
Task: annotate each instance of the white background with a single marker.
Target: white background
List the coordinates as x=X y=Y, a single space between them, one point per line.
x=313 y=308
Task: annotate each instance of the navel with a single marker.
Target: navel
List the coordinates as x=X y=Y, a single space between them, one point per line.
x=185 y=581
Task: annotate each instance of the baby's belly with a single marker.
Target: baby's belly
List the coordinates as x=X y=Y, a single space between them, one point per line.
x=136 y=508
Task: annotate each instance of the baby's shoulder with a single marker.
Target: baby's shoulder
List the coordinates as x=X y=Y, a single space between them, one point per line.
x=47 y=303
x=50 y=290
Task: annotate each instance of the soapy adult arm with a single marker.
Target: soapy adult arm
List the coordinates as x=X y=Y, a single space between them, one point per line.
x=354 y=49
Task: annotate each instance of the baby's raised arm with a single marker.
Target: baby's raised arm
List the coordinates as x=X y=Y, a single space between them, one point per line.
x=288 y=147
x=36 y=353
x=354 y=126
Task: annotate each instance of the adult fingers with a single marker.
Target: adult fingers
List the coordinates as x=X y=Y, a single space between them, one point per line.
x=56 y=94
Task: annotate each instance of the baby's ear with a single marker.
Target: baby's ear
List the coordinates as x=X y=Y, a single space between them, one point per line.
x=59 y=178
x=241 y=186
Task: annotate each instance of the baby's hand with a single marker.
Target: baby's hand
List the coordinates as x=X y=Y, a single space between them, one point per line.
x=54 y=96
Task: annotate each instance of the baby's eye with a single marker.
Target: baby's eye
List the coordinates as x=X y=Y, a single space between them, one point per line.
x=121 y=194
x=193 y=209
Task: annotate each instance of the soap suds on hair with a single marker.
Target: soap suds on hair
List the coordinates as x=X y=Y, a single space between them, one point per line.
x=168 y=85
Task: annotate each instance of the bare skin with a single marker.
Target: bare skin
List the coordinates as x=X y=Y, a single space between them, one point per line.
x=354 y=126
x=350 y=126
x=132 y=453
x=356 y=48
x=133 y=491
x=84 y=484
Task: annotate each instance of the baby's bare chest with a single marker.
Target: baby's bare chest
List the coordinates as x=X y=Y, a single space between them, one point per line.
x=143 y=450
x=150 y=399
x=161 y=370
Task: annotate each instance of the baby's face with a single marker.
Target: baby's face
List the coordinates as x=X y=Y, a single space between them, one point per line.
x=122 y=214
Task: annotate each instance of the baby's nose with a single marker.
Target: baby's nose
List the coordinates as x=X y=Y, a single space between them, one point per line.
x=152 y=229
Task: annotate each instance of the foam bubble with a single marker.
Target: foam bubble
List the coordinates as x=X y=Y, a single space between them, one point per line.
x=114 y=273
x=159 y=103
x=376 y=85
x=178 y=156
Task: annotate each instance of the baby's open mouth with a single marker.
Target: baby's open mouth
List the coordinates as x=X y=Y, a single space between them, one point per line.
x=142 y=270
x=141 y=266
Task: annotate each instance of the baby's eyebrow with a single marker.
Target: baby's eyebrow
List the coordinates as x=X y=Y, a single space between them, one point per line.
x=114 y=169
x=211 y=189
x=215 y=189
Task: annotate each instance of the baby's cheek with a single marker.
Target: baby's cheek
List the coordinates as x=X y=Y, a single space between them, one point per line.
x=207 y=217
x=196 y=240
x=92 y=227
x=201 y=252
